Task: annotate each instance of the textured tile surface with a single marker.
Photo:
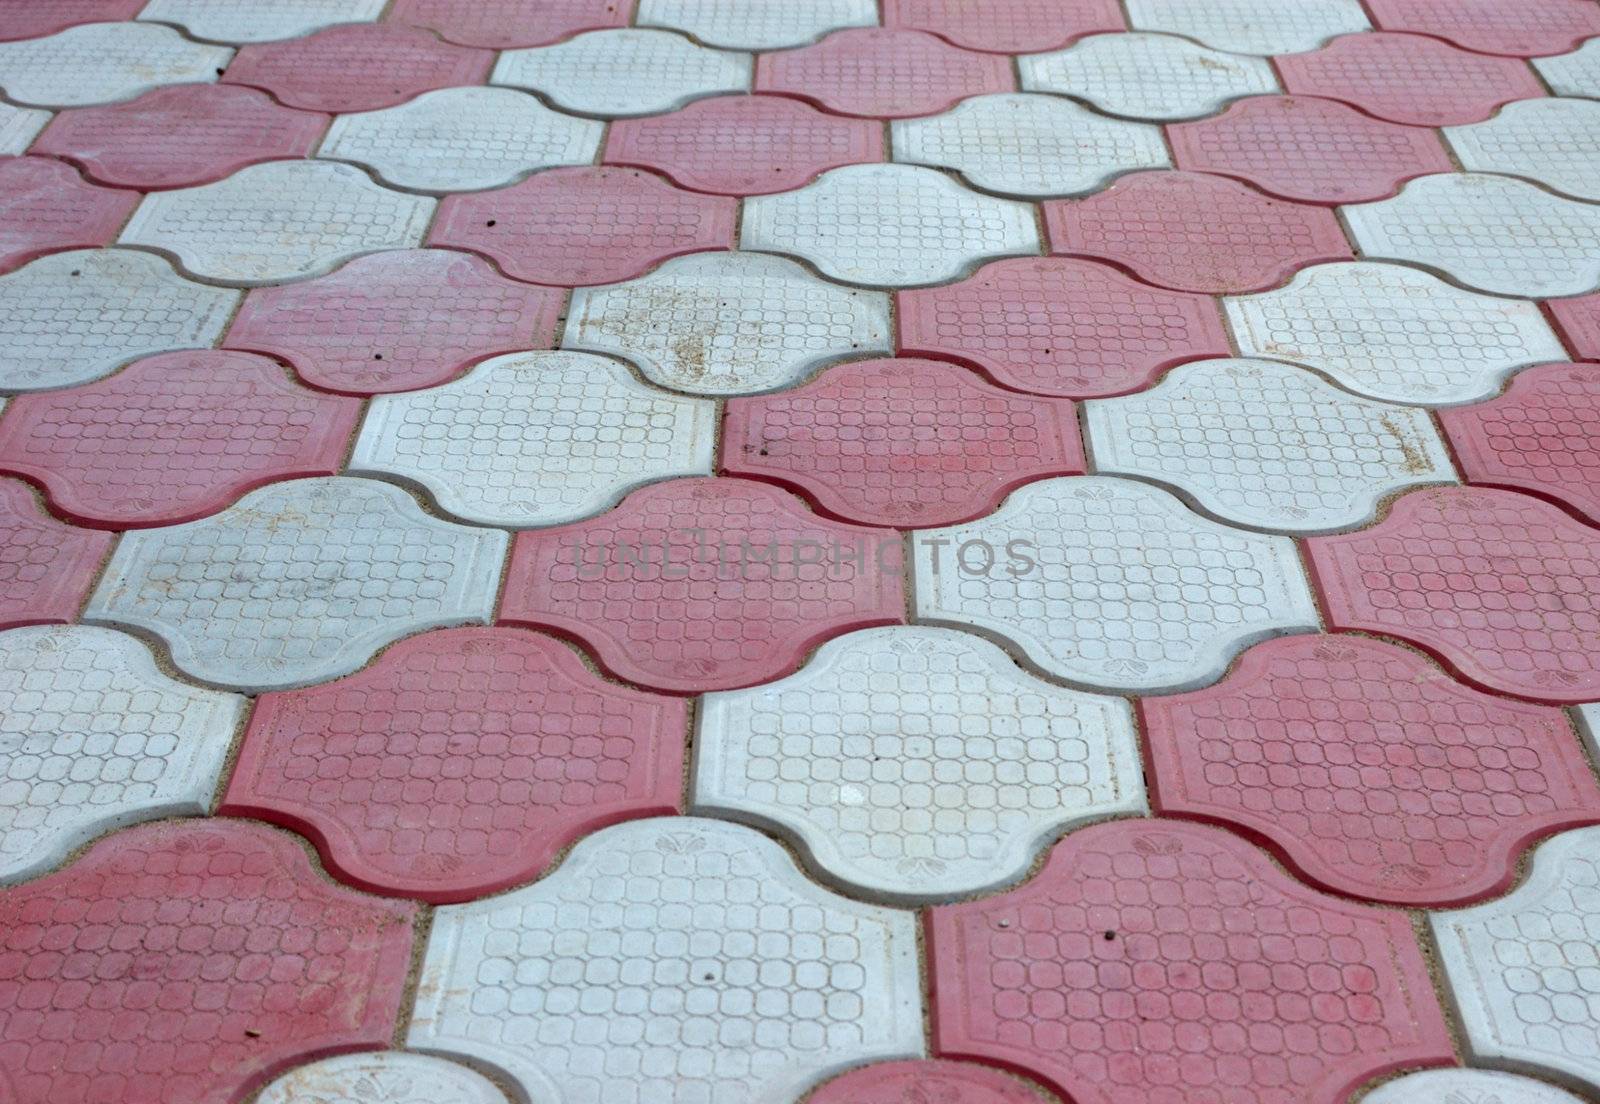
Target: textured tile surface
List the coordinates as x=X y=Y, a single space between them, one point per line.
x=1574 y=74
x=505 y=24
x=103 y=62
x=386 y=1077
x=1454 y=1086
x=1578 y=321
x=1147 y=76
x=37 y=20
x=229 y=21
x=1251 y=26
x=899 y=1082
x=614 y=73
x=738 y=25
x=1553 y=141
x=1006 y=26
x=46 y=567
x=883 y=73
x=1522 y=29
x=46 y=207
x=18 y=125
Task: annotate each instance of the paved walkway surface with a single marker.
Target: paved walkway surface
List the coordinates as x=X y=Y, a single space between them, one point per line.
x=743 y=552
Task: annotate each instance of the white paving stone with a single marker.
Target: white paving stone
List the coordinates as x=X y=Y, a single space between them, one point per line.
x=386 y=1077
x=255 y=21
x=1524 y=970
x=299 y=582
x=889 y=225
x=770 y=25
x=536 y=438
x=1113 y=584
x=1589 y=727
x=104 y=62
x=280 y=221
x=1462 y=1086
x=1394 y=333
x=1251 y=26
x=1147 y=76
x=93 y=737
x=624 y=72
x=460 y=139
x=670 y=961
x=728 y=323
x=19 y=126
x=1495 y=233
x=1552 y=140
x=1257 y=442
x=68 y=318
x=916 y=764
x=1574 y=74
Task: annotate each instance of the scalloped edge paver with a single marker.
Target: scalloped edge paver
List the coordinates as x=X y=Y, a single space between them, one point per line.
x=39 y=20
x=1551 y=140
x=510 y=24
x=1251 y=26
x=1145 y=75
x=128 y=58
x=1519 y=29
x=230 y=21
x=742 y=25
x=18 y=127
x=62 y=579
x=590 y=75
x=1573 y=74
x=1007 y=26
x=910 y=1082
x=46 y=207
x=388 y=1077
x=1467 y=1086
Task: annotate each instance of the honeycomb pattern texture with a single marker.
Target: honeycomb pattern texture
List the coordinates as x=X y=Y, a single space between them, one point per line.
x=102 y=63
x=932 y=1080
x=1552 y=141
x=1251 y=26
x=1578 y=320
x=224 y=21
x=386 y=1077
x=38 y=20
x=45 y=207
x=18 y=125
x=1148 y=76
x=46 y=567
x=1006 y=26
x=883 y=73
x=616 y=73
x=1523 y=29
x=736 y=25
x=1574 y=74
x=505 y=24
x=1467 y=1087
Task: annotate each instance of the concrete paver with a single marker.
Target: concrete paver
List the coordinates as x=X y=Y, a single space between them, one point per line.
x=1251 y=26
x=1552 y=141
x=46 y=566
x=622 y=72
x=222 y=21
x=103 y=63
x=46 y=207
x=732 y=25
x=1574 y=74
x=1147 y=76
x=883 y=73
x=1006 y=26
x=508 y=24
x=392 y=1077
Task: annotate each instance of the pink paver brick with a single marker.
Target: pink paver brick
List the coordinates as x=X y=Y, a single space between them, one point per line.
x=1541 y=436
x=902 y=442
x=1503 y=587
x=357 y=67
x=1369 y=770
x=173 y=437
x=1196 y=232
x=1578 y=320
x=460 y=763
x=45 y=207
x=396 y=321
x=1310 y=149
x=190 y=961
x=584 y=226
x=704 y=584
x=37 y=18
x=1172 y=963
x=1007 y=26
x=928 y=1081
x=883 y=73
x=1060 y=326
x=1409 y=78
x=744 y=145
x=180 y=136
x=510 y=24
x=1521 y=28
x=46 y=566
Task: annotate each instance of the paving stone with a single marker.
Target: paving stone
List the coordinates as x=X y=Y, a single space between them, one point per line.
x=102 y=62
x=357 y=67
x=1393 y=332
x=1574 y=74
x=1409 y=78
x=1493 y=233
x=46 y=207
x=1060 y=326
x=173 y=437
x=298 y=582
x=1521 y=969
x=1500 y=585
x=1112 y=584
x=94 y=737
x=386 y=1077
x=1369 y=770
x=1310 y=149
x=735 y=25
x=901 y=442
x=1578 y=321
x=284 y=220
x=614 y=73
x=180 y=136
x=1521 y=29
x=744 y=145
x=915 y=764
x=458 y=765
x=38 y=20
x=1169 y=963
x=18 y=126
x=1460 y=1086
x=218 y=956
x=1006 y=26
x=704 y=584
x=462 y=139
x=1251 y=26
x=728 y=323
x=1268 y=445
x=881 y=72
x=1147 y=76
x=901 y=1082
x=585 y=225
x=1553 y=141
x=46 y=567
x=535 y=438
x=672 y=960
x=888 y=225
x=230 y=21
x=506 y=24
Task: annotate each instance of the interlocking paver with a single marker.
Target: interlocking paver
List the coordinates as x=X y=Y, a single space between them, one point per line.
x=934 y=1080
x=190 y=960
x=1521 y=29
x=1553 y=141
x=535 y=438
x=901 y=442
x=728 y=323
x=915 y=764
x=94 y=737
x=883 y=72
x=1060 y=326
x=614 y=73
x=46 y=567
x=459 y=764
x=1251 y=26
x=1112 y=584
x=230 y=21
x=392 y=1077
x=507 y=24
x=38 y=20
x=299 y=582
x=736 y=25
x=1578 y=321
x=1501 y=585
x=1393 y=332
x=1148 y=76
x=1006 y=26
x=1465 y=1087
x=1170 y=963
x=672 y=960
x=46 y=207
x=102 y=62
x=1574 y=74
x=18 y=126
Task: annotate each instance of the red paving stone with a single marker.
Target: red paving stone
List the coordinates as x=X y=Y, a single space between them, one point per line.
x=46 y=566
x=459 y=764
x=180 y=136
x=1173 y=963
x=1309 y=149
x=1578 y=320
x=1060 y=326
x=577 y=226
x=45 y=207
x=189 y=962
x=173 y=437
x=882 y=73
x=35 y=18
x=510 y=24
x=1505 y=588
x=902 y=442
x=929 y=1081
x=1522 y=28
x=1007 y=26
x=704 y=584
x=357 y=330
x=1369 y=770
